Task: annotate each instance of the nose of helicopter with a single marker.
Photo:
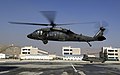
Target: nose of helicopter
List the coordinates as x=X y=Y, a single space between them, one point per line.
x=29 y=36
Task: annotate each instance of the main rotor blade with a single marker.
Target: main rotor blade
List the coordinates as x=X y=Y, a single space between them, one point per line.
x=29 y=23
x=77 y=23
x=39 y=24
x=50 y=15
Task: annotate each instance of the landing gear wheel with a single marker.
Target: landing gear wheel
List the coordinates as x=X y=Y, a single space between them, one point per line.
x=91 y=61
x=45 y=41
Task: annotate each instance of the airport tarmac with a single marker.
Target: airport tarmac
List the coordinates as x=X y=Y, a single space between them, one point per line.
x=58 y=68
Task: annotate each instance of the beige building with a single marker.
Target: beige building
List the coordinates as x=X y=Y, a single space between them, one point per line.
x=110 y=53
x=70 y=51
x=30 y=52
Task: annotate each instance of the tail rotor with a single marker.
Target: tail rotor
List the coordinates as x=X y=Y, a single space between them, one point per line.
x=102 y=29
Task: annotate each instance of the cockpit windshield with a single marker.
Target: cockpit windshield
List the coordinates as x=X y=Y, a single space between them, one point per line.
x=38 y=32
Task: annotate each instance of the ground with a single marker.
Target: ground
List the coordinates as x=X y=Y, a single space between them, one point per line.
x=58 y=68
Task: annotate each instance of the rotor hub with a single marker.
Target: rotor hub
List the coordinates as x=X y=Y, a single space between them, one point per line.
x=102 y=28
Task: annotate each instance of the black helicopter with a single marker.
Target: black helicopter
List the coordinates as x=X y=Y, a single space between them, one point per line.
x=55 y=33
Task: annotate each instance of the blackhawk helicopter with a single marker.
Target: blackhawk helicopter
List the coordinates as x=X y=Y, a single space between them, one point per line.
x=55 y=33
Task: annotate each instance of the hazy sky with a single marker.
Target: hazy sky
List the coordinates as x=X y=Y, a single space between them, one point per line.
x=67 y=11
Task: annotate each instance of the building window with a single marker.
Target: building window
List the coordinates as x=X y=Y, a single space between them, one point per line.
x=66 y=49
x=116 y=50
x=24 y=52
x=28 y=49
x=24 y=49
x=28 y=52
x=110 y=50
x=116 y=54
x=66 y=53
x=111 y=57
x=70 y=53
x=70 y=49
x=110 y=53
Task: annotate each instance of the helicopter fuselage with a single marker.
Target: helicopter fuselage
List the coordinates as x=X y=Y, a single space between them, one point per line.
x=58 y=34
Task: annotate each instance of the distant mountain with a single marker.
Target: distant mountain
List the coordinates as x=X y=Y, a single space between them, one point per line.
x=10 y=50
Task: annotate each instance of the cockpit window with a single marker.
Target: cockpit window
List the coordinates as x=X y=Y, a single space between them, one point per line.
x=39 y=32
